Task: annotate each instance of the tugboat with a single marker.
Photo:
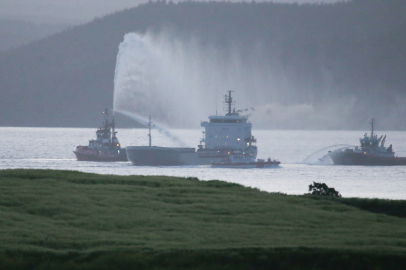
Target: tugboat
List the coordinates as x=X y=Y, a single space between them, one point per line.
x=244 y=160
x=223 y=134
x=372 y=152
x=106 y=146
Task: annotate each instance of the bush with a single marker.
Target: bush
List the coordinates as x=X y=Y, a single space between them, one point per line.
x=323 y=189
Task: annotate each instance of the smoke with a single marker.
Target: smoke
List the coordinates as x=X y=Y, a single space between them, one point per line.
x=179 y=79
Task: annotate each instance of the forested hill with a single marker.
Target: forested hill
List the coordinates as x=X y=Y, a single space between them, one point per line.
x=346 y=60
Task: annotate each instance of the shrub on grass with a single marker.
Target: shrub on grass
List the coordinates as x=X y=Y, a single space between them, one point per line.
x=323 y=189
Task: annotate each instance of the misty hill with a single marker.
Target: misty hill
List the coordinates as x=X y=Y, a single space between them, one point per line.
x=16 y=33
x=312 y=66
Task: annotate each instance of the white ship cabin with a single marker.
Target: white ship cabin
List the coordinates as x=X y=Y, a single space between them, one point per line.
x=231 y=131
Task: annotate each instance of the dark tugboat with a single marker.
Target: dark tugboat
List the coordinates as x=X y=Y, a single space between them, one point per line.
x=371 y=152
x=106 y=146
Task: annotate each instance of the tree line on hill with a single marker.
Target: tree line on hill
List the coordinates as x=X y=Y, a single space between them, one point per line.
x=348 y=54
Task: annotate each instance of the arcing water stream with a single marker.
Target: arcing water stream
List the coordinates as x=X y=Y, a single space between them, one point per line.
x=320 y=157
x=159 y=127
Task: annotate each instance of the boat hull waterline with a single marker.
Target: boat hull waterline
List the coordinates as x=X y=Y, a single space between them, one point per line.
x=348 y=158
x=84 y=154
x=167 y=156
x=250 y=165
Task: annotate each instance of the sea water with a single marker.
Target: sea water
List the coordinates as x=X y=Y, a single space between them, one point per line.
x=299 y=153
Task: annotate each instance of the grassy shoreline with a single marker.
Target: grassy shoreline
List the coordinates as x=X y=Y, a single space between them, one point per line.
x=253 y=258
x=51 y=214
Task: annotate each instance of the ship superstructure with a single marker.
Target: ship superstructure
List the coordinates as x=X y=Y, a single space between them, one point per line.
x=226 y=133
x=105 y=147
x=372 y=151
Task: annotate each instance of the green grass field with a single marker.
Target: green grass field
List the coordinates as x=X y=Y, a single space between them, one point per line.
x=50 y=219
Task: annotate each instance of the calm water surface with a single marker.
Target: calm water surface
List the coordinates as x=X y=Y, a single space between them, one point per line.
x=299 y=151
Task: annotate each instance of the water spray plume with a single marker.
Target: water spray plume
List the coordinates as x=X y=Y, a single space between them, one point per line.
x=320 y=156
x=177 y=78
x=160 y=128
x=148 y=81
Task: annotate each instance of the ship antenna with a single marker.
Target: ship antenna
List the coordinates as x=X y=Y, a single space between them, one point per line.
x=113 y=126
x=149 y=127
x=106 y=121
x=215 y=99
x=106 y=118
x=229 y=101
x=372 y=127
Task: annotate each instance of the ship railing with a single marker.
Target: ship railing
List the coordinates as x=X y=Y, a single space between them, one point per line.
x=251 y=139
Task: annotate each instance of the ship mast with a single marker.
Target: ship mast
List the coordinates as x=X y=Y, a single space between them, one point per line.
x=149 y=127
x=113 y=134
x=372 y=127
x=106 y=118
x=107 y=124
x=229 y=101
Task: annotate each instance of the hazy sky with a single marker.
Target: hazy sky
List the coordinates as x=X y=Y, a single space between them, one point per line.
x=80 y=11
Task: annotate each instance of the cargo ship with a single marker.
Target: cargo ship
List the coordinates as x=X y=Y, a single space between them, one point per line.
x=223 y=134
x=106 y=146
x=372 y=152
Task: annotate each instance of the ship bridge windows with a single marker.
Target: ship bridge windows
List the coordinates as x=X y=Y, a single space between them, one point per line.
x=225 y=121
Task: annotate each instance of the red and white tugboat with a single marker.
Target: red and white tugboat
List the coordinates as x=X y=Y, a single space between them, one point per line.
x=106 y=146
x=244 y=160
